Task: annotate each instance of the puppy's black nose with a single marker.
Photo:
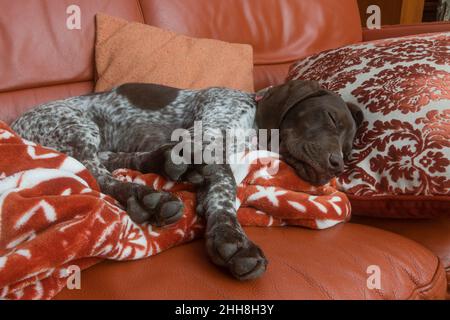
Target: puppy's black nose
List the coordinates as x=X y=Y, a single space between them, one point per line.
x=336 y=163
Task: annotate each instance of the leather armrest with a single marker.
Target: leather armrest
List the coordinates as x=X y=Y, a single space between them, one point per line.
x=393 y=31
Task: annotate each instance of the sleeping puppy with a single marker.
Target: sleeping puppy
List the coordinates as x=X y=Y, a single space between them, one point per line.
x=317 y=128
x=131 y=126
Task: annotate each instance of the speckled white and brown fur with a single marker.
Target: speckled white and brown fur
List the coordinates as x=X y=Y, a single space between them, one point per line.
x=130 y=127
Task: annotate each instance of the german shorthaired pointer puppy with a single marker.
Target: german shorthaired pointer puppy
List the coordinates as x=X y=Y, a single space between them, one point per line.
x=131 y=126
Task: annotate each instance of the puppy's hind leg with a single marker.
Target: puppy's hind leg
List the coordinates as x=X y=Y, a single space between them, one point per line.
x=142 y=203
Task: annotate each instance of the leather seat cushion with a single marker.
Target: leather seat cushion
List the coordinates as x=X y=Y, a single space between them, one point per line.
x=434 y=234
x=303 y=264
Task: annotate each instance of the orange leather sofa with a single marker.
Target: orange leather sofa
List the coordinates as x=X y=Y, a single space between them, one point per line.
x=41 y=60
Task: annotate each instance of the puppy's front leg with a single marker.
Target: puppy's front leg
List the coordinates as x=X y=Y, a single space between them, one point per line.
x=226 y=241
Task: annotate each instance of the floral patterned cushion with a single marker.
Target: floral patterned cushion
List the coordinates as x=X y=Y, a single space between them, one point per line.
x=400 y=164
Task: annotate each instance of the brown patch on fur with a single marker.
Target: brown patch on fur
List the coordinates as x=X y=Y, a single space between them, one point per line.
x=148 y=96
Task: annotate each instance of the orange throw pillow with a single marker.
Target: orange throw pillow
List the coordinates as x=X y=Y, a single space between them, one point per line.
x=134 y=52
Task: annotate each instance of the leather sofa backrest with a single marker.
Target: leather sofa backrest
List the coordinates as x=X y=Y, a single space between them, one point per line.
x=41 y=59
x=38 y=49
x=280 y=31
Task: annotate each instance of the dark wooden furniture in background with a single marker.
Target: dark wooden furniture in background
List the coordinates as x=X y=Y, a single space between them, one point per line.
x=394 y=11
x=430 y=10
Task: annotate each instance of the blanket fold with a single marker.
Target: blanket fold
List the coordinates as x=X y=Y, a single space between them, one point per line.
x=53 y=216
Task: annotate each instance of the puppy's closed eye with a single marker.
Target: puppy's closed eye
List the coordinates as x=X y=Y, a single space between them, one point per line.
x=333 y=120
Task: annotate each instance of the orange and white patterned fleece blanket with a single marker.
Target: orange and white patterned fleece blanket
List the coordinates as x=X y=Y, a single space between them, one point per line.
x=52 y=215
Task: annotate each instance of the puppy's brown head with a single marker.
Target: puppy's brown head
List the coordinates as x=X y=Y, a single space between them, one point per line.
x=317 y=127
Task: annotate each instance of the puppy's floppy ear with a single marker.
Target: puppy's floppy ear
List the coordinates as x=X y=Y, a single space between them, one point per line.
x=357 y=114
x=274 y=103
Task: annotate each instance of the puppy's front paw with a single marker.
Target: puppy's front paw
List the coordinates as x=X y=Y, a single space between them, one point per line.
x=157 y=208
x=229 y=247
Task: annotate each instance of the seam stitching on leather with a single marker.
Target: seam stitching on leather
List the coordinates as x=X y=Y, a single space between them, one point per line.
x=47 y=86
x=275 y=63
x=138 y=3
x=407 y=26
x=447 y=273
x=423 y=290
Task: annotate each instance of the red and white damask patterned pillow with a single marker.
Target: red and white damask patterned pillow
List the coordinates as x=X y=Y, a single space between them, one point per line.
x=400 y=166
